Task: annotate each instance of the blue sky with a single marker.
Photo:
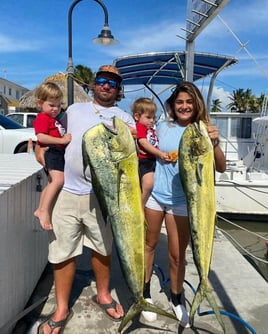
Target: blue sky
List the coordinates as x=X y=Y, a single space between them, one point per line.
x=33 y=39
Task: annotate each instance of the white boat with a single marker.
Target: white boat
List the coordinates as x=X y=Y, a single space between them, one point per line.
x=242 y=191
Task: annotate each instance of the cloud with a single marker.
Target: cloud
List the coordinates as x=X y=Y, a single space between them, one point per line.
x=150 y=38
x=254 y=14
x=222 y=95
x=9 y=44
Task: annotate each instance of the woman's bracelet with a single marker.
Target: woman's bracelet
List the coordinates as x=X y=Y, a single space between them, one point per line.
x=216 y=142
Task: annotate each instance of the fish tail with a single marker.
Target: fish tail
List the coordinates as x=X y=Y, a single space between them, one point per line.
x=212 y=302
x=198 y=298
x=142 y=305
x=204 y=291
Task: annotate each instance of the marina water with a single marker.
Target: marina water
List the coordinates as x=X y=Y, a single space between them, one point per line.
x=250 y=238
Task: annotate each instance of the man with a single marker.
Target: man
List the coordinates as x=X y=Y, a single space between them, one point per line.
x=76 y=217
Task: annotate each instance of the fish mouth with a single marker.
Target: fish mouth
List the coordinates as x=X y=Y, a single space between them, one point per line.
x=197 y=126
x=111 y=128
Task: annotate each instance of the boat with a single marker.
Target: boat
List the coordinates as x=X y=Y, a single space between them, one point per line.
x=168 y=68
x=242 y=190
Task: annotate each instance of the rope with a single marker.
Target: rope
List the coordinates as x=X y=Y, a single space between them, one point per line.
x=242 y=228
x=238 y=244
x=243 y=248
x=247 y=186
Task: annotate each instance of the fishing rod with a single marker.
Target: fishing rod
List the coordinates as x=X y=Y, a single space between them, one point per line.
x=244 y=46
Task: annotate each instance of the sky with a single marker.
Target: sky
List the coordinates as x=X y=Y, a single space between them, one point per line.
x=34 y=39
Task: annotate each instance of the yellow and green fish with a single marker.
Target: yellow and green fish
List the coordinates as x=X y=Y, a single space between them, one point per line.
x=196 y=168
x=111 y=154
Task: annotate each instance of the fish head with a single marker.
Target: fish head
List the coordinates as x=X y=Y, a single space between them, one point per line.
x=119 y=139
x=107 y=143
x=197 y=139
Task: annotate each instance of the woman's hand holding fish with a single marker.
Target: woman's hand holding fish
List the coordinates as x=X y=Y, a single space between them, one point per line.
x=213 y=133
x=220 y=161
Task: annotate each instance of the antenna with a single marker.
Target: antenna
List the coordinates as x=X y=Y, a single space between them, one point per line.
x=244 y=46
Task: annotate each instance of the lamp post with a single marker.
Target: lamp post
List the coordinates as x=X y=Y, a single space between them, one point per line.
x=105 y=38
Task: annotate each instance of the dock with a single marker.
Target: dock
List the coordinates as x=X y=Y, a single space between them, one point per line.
x=240 y=291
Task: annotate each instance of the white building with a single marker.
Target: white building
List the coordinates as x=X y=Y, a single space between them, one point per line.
x=10 y=94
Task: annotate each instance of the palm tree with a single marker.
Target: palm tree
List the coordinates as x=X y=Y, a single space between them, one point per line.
x=254 y=104
x=249 y=100
x=216 y=107
x=237 y=100
x=84 y=76
x=243 y=101
x=260 y=101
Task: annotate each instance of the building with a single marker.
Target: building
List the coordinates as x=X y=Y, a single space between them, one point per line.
x=10 y=94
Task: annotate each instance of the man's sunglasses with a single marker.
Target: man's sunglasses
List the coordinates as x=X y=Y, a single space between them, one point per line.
x=102 y=81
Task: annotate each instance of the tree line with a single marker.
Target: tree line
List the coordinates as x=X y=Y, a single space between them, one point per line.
x=241 y=101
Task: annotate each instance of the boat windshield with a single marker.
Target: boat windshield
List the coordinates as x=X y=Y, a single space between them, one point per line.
x=234 y=126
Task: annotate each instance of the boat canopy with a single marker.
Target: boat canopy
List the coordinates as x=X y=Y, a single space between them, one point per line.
x=168 y=68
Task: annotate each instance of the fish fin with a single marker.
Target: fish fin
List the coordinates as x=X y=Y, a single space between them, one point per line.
x=142 y=305
x=132 y=312
x=205 y=291
x=119 y=176
x=153 y=308
x=99 y=194
x=145 y=225
x=199 y=168
x=85 y=158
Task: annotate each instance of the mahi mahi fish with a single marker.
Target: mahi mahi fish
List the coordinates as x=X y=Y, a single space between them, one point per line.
x=196 y=166
x=110 y=152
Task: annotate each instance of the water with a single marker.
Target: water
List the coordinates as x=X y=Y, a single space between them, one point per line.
x=250 y=238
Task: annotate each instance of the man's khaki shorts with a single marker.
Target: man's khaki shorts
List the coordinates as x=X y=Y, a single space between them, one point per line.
x=77 y=221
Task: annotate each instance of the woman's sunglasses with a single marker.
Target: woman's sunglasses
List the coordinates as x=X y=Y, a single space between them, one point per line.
x=102 y=81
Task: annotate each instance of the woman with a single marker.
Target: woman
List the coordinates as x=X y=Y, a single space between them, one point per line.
x=167 y=201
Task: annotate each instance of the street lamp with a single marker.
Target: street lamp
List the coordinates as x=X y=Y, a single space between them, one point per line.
x=105 y=38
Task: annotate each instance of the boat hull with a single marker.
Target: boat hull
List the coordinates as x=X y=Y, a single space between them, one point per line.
x=242 y=200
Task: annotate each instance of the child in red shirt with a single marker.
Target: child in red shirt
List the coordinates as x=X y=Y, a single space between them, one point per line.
x=144 y=111
x=50 y=132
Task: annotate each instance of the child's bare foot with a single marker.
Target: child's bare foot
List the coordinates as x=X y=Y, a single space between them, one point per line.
x=44 y=219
